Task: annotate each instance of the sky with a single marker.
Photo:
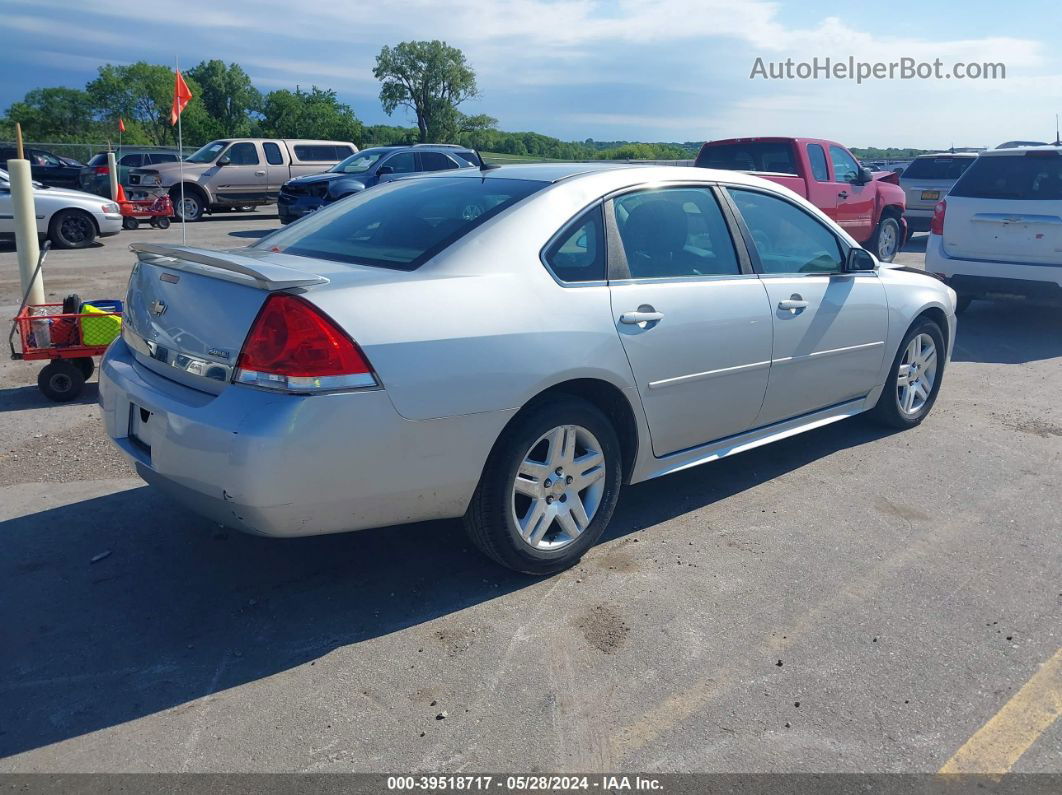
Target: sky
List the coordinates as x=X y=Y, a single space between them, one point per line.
x=649 y=70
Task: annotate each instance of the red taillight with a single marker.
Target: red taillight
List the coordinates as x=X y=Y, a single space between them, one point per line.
x=294 y=347
x=936 y=226
x=103 y=169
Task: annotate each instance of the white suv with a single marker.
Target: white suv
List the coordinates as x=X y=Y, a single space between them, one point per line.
x=999 y=231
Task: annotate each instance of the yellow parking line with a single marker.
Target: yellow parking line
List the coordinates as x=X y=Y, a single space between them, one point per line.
x=997 y=745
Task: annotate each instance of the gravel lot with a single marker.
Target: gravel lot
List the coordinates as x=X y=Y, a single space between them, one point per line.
x=845 y=600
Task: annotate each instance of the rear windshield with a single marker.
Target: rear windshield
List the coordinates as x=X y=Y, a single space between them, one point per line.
x=1032 y=176
x=754 y=156
x=402 y=224
x=98 y=160
x=938 y=167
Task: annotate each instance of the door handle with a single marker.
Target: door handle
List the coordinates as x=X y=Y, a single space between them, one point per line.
x=634 y=318
x=842 y=195
x=259 y=173
x=793 y=303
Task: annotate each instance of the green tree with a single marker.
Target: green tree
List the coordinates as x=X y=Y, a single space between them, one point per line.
x=228 y=96
x=53 y=114
x=315 y=113
x=143 y=93
x=428 y=77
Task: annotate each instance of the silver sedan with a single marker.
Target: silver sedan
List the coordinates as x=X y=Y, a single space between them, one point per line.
x=510 y=346
x=69 y=218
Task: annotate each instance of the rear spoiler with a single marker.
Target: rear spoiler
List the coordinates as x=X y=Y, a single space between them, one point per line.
x=233 y=267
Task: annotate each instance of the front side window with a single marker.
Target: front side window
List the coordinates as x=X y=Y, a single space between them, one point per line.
x=669 y=232
x=243 y=154
x=578 y=252
x=787 y=239
x=402 y=163
x=845 y=168
x=272 y=153
x=818 y=163
x=400 y=224
x=436 y=161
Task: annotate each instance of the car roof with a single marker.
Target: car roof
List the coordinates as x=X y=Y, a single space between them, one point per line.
x=543 y=172
x=1021 y=150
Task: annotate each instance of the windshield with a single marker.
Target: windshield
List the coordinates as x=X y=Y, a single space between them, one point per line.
x=938 y=167
x=1034 y=176
x=359 y=163
x=209 y=153
x=772 y=156
x=402 y=224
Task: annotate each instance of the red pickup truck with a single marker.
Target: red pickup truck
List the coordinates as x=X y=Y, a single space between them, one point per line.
x=868 y=205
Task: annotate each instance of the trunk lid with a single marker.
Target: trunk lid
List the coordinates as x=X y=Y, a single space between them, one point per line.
x=188 y=310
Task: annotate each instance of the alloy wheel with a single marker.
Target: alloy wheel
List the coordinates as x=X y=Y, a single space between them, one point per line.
x=887 y=240
x=558 y=487
x=916 y=374
x=76 y=229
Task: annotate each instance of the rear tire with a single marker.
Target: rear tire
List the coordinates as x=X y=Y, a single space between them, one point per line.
x=61 y=381
x=85 y=365
x=914 y=379
x=886 y=241
x=130 y=223
x=72 y=229
x=544 y=520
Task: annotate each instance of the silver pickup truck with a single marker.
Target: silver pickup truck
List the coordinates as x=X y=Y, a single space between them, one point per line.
x=238 y=172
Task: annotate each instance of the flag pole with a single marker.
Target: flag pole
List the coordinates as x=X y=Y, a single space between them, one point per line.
x=180 y=159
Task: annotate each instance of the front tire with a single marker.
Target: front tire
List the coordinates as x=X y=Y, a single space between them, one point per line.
x=549 y=487
x=886 y=241
x=72 y=229
x=915 y=377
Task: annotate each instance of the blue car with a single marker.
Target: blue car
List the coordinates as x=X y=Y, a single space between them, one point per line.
x=303 y=195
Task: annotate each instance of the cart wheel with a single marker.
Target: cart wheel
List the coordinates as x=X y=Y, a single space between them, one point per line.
x=61 y=381
x=162 y=222
x=85 y=365
x=130 y=223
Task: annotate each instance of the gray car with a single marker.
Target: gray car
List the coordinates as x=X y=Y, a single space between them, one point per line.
x=510 y=346
x=926 y=181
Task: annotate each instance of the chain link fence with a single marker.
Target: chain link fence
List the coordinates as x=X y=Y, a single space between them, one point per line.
x=83 y=152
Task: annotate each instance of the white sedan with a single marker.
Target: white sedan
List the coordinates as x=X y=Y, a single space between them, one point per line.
x=69 y=218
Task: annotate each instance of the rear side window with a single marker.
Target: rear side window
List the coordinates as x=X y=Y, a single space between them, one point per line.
x=938 y=167
x=321 y=153
x=787 y=239
x=243 y=154
x=343 y=151
x=436 y=161
x=1032 y=176
x=774 y=156
x=577 y=254
x=669 y=232
x=818 y=163
x=163 y=157
x=272 y=153
x=131 y=160
x=400 y=224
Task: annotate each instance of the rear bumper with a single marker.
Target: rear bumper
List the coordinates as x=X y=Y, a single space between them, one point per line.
x=286 y=465
x=981 y=278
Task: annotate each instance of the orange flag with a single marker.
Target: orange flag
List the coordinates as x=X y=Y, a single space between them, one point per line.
x=121 y=125
x=181 y=95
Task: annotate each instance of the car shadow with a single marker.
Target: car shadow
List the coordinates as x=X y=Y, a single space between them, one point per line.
x=916 y=243
x=1008 y=332
x=124 y=605
x=19 y=398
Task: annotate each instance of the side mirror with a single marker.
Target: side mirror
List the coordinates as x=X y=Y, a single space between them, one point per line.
x=382 y=170
x=859 y=260
x=865 y=175
x=224 y=161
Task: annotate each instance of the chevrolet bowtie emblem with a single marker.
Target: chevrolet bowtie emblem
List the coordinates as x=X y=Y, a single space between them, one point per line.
x=158 y=307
